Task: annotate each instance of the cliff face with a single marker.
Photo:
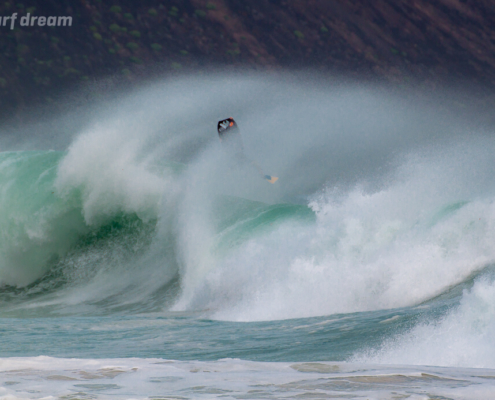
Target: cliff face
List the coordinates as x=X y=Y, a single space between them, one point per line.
x=431 y=40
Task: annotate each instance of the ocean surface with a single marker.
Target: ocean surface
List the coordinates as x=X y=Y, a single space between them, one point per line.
x=141 y=260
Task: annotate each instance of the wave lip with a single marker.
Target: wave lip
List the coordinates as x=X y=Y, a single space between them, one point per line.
x=64 y=234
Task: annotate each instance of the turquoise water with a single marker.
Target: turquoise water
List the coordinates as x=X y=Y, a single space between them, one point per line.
x=144 y=247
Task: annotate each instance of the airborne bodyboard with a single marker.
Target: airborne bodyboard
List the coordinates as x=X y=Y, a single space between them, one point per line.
x=229 y=133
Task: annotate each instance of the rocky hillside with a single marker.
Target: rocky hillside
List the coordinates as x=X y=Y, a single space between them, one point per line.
x=431 y=40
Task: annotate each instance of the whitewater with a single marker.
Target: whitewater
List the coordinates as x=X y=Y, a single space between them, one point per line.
x=140 y=259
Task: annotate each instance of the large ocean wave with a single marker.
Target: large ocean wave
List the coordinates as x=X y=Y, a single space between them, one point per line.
x=379 y=205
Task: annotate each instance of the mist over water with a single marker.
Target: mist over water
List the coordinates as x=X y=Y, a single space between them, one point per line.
x=382 y=203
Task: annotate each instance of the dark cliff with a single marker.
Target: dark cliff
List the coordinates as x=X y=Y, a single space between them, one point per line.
x=397 y=40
